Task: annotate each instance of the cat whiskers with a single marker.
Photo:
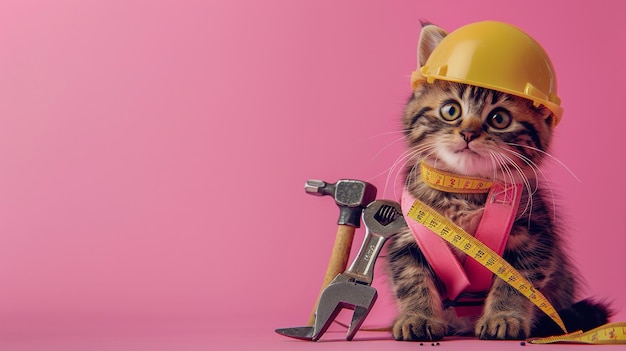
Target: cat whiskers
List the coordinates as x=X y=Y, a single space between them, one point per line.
x=413 y=157
x=538 y=172
x=393 y=142
x=531 y=165
x=506 y=161
x=396 y=168
x=546 y=154
x=502 y=166
x=391 y=169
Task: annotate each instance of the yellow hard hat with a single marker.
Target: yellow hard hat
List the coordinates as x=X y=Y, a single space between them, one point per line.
x=496 y=56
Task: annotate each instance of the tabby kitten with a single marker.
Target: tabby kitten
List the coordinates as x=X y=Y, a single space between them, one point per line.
x=473 y=131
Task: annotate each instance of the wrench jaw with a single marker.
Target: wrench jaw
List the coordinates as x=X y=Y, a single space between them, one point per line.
x=352 y=289
x=340 y=295
x=360 y=313
x=384 y=218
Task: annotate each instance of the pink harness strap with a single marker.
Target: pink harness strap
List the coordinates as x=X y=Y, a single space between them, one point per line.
x=493 y=230
x=437 y=252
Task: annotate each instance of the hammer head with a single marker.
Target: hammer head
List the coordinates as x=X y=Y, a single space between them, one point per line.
x=350 y=195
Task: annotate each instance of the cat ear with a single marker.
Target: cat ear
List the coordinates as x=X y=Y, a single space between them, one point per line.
x=430 y=37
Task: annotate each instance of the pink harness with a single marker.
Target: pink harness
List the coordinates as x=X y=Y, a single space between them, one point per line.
x=493 y=230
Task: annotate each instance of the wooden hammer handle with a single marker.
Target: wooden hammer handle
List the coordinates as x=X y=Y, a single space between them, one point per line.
x=338 y=261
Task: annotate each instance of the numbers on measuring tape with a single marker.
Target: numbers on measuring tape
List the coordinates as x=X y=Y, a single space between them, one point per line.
x=611 y=333
x=471 y=246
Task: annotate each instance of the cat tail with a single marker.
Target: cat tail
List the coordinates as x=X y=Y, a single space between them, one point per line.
x=583 y=315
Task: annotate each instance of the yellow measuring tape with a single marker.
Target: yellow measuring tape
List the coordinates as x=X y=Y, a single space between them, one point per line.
x=449 y=182
x=612 y=333
x=474 y=248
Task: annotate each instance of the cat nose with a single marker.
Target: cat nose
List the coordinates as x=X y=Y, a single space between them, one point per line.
x=469 y=134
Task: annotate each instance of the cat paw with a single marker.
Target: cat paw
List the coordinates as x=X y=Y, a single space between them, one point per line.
x=503 y=326
x=416 y=327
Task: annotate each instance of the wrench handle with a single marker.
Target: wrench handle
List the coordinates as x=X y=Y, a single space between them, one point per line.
x=362 y=268
x=338 y=261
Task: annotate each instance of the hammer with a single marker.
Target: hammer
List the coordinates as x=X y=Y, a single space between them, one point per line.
x=352 y=196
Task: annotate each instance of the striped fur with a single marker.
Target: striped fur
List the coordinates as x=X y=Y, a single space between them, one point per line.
x=480 y=143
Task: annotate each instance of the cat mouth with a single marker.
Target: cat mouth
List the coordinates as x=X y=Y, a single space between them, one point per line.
x=466 y=150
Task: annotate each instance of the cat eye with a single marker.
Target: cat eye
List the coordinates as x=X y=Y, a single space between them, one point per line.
x=450 y=111
x=499 y=118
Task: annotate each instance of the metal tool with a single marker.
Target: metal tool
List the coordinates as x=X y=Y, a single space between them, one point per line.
x=352 y=289
x=351 y=196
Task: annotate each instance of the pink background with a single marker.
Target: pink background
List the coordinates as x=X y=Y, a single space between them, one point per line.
x=153 y=153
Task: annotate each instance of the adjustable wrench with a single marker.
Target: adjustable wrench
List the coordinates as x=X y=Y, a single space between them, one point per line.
x=352 y=289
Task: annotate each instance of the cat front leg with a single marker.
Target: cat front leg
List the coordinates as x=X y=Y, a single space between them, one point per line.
x=420 y=312
x=507 y=314
x=419 y=325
